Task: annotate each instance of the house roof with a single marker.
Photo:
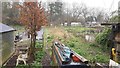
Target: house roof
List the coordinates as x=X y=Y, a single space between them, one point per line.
x=5 y=28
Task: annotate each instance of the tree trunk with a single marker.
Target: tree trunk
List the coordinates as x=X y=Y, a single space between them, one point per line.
x=28 y=35
x=32 y=47
x=34 y=42
x=31 y=50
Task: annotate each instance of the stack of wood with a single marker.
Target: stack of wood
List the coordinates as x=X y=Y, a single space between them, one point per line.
x=117 y=38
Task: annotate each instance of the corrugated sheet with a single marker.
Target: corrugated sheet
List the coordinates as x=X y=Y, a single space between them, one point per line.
x=5 y=28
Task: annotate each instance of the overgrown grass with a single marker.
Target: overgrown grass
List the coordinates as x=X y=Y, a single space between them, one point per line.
x=88 y=50
x=39 y=44
x=77 y=29
x=38 y=55
x=49 y=37
x=91 y=51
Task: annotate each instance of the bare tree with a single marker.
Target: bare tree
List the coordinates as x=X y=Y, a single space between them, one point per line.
x=85 y=13
x=76 y=11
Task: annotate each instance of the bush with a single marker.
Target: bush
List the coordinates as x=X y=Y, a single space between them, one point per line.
x=102 y=38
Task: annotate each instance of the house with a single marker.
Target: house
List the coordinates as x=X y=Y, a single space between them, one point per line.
x=64 y=24
x=71 y=24
x=6 y=42
x=75 y=23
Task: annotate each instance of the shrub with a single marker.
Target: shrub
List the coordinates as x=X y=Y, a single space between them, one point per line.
x=102 y=38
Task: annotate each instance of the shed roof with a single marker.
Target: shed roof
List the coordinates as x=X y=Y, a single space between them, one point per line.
x=5 y=28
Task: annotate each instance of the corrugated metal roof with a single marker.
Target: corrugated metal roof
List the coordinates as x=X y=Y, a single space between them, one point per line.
x=5 y=28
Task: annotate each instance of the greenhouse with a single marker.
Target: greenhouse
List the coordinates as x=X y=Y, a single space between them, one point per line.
x=7 y=41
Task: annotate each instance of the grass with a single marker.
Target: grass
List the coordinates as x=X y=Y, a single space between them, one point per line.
x=38 y=56
x=93 y=54
x=48 y=37
x=39 y=44
x=77 y=29
x=88 y=50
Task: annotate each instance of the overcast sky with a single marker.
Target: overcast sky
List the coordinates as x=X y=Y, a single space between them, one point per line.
x=109 y=5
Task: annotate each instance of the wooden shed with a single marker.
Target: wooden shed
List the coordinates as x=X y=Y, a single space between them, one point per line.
x=6 y=42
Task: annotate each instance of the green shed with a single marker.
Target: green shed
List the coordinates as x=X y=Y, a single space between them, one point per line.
x=6 y=43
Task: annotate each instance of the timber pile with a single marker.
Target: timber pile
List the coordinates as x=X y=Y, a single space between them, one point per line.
x=117 y=38
x=63 y=56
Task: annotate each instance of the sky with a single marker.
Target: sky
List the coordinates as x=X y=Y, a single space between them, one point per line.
x=109 y=5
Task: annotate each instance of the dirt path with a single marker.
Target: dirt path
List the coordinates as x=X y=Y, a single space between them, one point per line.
x=46 y=61
x=12 y=62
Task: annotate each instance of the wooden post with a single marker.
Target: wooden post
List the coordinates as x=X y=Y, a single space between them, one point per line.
x=119 y=12
x=118 y=53
x=44 y=38
x=118 y=37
